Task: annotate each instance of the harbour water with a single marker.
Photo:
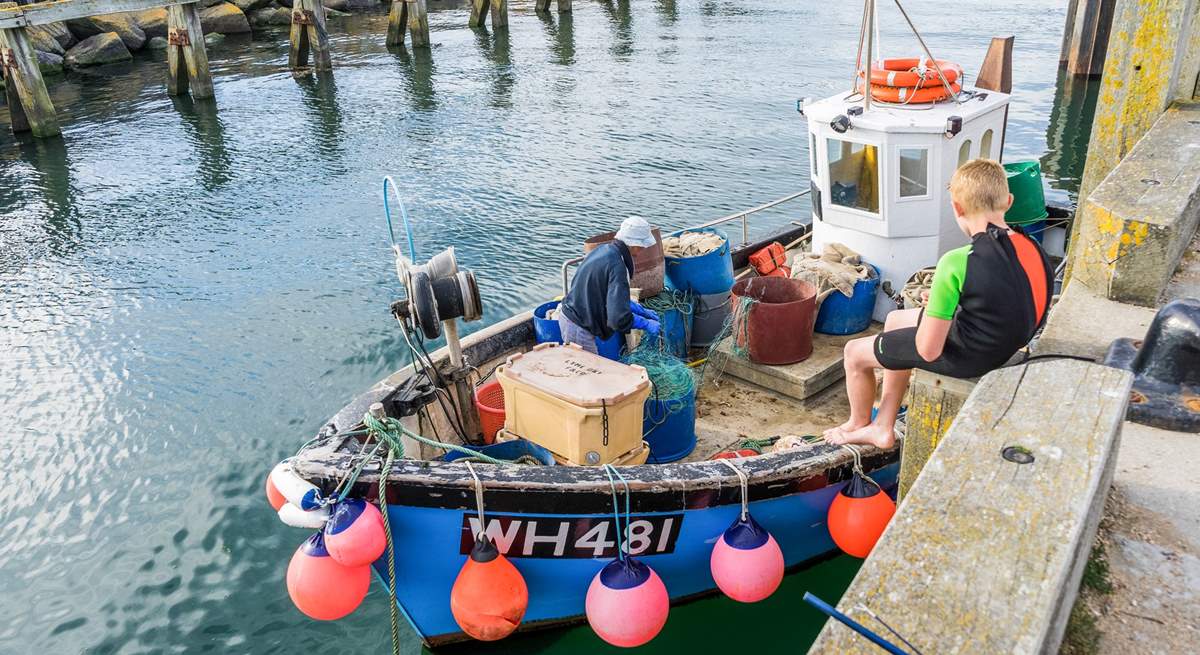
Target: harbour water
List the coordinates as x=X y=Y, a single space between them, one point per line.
x=187 y=292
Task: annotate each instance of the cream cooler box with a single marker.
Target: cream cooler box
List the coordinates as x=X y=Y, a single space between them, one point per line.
x=558 y=397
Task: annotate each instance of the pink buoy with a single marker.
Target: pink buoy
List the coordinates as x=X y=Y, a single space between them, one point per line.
x=746 y=562
x=354 y=533
x=322 y=588
x=627 y=603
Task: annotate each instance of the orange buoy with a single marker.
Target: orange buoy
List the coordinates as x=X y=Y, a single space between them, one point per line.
x=273 y=496
x=735 y=454
x=904 y=95
x=914 y=72
x=489 y=596
x=858 y=516
x=322 y=588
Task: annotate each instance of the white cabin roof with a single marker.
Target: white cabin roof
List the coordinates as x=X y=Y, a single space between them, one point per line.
x=910 y=118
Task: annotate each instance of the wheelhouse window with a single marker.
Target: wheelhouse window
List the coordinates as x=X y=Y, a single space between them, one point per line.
x=914 y=172
x=853 y=175
x=985 y=145
x=964 y=152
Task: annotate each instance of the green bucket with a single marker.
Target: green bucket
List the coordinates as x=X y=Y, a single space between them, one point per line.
x=1029 y=200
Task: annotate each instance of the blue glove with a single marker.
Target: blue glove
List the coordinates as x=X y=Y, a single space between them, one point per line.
x=638 y=310
x=650 y=327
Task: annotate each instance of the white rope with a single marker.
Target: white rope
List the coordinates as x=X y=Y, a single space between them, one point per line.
x=745 y=482
x=478 y=498
x=857 y=458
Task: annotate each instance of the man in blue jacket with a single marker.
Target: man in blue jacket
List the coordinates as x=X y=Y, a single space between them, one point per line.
x=598 y=304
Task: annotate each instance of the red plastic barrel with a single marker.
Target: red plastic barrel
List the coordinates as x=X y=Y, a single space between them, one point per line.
x=777 y=328
x=489 y=401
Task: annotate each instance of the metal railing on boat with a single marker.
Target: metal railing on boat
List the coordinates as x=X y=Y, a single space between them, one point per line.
x=743 y=215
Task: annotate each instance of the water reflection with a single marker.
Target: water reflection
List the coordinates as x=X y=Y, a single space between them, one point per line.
x=49 y=158
x=206 y=131
x=1068 y=131
x=497 y=49
x=319 y=93
x=622 y=22
x=562 y=36
x=667 y=11
x=419 y=79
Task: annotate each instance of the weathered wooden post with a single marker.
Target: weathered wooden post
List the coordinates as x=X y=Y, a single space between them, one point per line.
x=543 y=6
x=28 y=101
x=1085 y=39
x=397 y=23
x=187 y=60
x=309 y=33
x=499 y=9
x=418 y=23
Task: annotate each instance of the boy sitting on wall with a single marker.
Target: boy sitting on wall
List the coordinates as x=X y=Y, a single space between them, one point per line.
x=987 y=300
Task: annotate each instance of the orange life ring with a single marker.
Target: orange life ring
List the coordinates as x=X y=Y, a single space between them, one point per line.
x=903 y=95
x=903 y=72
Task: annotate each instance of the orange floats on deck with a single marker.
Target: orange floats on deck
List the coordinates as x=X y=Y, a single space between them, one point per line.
x=914 y=72
x=913 y=80
x=858 y=516
x=489 y=596
x=322 y=588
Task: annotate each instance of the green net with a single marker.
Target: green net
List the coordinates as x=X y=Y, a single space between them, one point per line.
x=735 y=330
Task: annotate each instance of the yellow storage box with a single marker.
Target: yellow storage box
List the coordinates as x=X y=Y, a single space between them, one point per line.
x=582 y=407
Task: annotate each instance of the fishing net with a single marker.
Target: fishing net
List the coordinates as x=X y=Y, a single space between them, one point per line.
x=736 y=330
x=673 y=383
x=673 y=300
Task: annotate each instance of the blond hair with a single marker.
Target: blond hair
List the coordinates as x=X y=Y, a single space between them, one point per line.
x=980 y=185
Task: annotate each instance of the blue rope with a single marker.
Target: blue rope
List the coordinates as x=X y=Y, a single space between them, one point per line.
x=387 y=213
x=610 y=471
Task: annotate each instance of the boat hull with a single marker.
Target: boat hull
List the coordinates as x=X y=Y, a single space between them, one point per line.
x=431 y=544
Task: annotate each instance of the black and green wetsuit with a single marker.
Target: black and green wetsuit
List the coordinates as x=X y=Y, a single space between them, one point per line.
x=996 y=290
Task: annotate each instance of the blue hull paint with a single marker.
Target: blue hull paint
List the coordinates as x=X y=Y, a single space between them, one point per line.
x=428 y=560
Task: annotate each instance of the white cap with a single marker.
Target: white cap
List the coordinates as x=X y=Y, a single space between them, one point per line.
x=635 y=231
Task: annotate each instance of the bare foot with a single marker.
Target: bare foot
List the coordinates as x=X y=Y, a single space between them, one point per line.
x=837 y=435
x=874 y=434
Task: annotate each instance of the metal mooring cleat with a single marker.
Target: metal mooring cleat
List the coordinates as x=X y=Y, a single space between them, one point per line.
x=1166 y=368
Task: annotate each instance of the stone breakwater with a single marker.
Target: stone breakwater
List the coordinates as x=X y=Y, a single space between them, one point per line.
x=112 y=38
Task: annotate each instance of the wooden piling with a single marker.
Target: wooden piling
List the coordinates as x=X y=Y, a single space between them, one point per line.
x=187 y=60
x=418 y=23
x=308 y=33
x=1085 y=40
x=542 y=6
x=564 y=6
x=498 y=9
x=397 y=23
x=28 y=101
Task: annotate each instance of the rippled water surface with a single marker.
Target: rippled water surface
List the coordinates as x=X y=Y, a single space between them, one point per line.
x=188 y=291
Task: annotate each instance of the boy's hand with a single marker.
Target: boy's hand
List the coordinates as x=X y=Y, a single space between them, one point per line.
x=924 y=296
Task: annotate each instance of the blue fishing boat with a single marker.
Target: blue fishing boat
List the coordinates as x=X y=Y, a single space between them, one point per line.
x=555 y=521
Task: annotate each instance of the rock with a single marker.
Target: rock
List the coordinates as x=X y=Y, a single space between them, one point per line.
x=60 y=33
x=334 y=13
x=250 y=5
x=157 y=43
x=152 y=21
x=131 y=35
x=360 y=5
x=224 y=18
x=213 y=39
x=268 y=16
x=44 y=41
x=49 y=62
x=339 y=5
x=104 y=48
x=285 y=3
x=209 y=3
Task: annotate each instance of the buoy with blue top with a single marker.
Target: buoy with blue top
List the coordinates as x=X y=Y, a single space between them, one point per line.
x=273 y=496
x=746 y=563
x=627 y=603
x=295 y=489
x=354 y=533
x=322 y=588
x=859 y=513
x=489 y=597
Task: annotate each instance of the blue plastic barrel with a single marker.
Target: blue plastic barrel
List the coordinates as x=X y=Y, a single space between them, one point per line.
x=841 y=315
x=546 y=330
x=669 y=426
x=705 y=274
x=676 y=326
x=507 y=450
